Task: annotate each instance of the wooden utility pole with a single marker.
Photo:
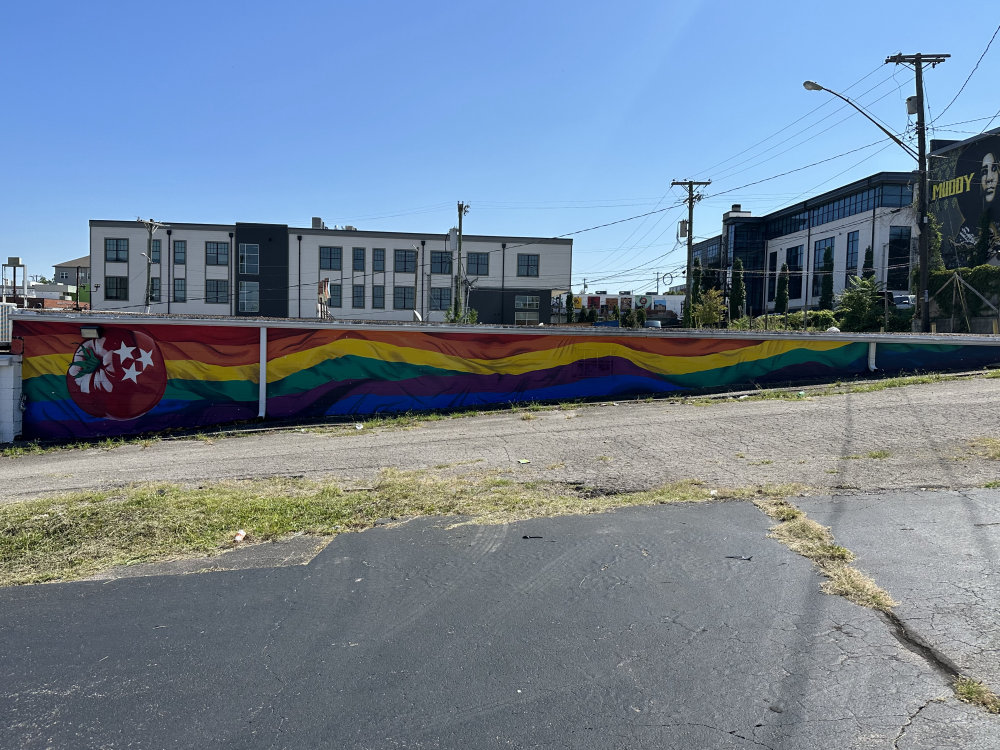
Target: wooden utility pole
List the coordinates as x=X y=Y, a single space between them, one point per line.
x=690 y=200
x=918 y=61
x=463 y=209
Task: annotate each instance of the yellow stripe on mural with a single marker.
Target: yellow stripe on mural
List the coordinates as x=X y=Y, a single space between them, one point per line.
x=46 y=364
x=517 y=364
x=189 y=369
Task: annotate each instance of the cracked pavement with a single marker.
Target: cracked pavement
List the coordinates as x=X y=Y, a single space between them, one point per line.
x=641 y=628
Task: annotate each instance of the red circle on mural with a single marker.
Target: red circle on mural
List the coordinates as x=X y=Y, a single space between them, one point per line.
x=118 y=376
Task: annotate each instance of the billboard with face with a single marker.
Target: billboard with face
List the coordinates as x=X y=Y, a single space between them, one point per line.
x=964 y=187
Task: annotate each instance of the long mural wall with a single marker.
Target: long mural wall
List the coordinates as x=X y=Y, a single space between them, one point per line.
x=131 y=379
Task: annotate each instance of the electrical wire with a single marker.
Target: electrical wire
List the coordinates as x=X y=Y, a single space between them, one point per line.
x=972 y=72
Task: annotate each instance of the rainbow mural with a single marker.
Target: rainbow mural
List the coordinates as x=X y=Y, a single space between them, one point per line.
x=164 y=375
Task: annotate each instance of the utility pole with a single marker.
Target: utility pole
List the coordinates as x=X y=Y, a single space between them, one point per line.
x=151 y=226
x=463 y=209
x=690 y=200
x=918 y=61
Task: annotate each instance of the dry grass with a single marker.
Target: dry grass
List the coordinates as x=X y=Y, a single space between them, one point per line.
x=987 y=447
x=77 y=535
x=815 y=542
x=978 y=694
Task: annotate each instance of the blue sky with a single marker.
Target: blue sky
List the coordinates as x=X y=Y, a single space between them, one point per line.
x=546 y=117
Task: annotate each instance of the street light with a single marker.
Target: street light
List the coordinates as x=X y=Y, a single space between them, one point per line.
x=813 y=86
x=921 y=157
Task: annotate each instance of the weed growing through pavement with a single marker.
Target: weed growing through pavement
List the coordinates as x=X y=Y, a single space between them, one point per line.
x=977 y=693
x=815 y=542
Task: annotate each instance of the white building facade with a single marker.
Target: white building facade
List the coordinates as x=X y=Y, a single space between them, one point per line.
x=273 y=270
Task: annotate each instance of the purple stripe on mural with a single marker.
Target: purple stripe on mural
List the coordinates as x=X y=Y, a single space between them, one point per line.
x=318 y=400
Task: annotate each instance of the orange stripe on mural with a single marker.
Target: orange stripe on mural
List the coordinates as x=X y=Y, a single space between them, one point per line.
x=282 y=343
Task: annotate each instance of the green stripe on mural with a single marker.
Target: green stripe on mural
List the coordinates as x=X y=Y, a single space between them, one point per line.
x=746 y=372
x=45 y=388
x=53 y=388
x=211 y=390
x=350 y=368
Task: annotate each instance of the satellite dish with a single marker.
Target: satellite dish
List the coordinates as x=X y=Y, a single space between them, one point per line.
x=417 y=317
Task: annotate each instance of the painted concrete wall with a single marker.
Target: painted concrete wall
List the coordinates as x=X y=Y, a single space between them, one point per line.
x=144 y=375
x=10 y=397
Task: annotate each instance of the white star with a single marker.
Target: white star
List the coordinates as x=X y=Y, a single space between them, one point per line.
x=146 y=358
x=124 y=352
x=131 y=373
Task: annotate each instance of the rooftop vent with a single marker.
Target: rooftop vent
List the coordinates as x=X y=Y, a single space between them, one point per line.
x=318 y=223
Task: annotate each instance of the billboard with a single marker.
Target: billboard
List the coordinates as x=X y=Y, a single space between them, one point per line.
x=963 y=196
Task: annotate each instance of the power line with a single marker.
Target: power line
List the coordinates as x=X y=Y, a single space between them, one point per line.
x=974 y=69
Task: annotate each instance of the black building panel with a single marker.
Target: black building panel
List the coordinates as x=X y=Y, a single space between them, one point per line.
x=272 y=274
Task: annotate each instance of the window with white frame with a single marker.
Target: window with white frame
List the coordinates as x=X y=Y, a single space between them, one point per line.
x=249 y=296
x=249 y=258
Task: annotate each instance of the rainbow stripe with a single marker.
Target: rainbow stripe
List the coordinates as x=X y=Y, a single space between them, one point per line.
x=213 y=371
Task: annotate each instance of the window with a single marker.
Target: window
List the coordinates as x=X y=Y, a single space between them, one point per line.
x=404 y=297
x=899 y=258
x=249 y=296
x=440 y=297
x=336 y=296
x=478 y=264
x=63 y=275
x=852 y=258
x=249 y=260
x=358 y=260
x=527 y=265
x=378 y=297
x=405 y=262
x=772 y=275
x=180 y=252
x=116 y=287
x=526 y=309
x=154 y=289
x=378 y=259
x=216 y=253
x=331 y=259
x=217 y=291
x=180 y=290
x=819 y=269
x=440 y=263
x=793 y=257
x=154 y=252
x=358 y=295
x=115 y=251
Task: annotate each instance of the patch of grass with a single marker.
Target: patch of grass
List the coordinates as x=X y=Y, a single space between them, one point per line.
x=850 y=458
x=879 y=454
x=987 y=447
x=606 y=459
x=815 y=542
x=977 y=693
x=553 y=467
x=527 y=416
x=764 y=462
x=77 y=535
x=991 y=485
x=16 y=450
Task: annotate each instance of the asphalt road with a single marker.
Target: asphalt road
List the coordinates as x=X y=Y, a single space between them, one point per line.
x=669 y=627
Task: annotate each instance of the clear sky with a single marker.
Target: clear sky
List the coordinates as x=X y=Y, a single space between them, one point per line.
x=546 y=117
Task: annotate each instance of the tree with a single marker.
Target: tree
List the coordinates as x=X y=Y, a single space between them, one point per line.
x=826 y=289
x=868 y=269
x=710 y=310
x=592 y=315
x=627 y=319
x=935 y=258
x=581 y=315
x=981 y=250
x=738 y=291
x=781 y=296
x=696 y=281
x=640 y=318
x=861 y=306
x=569 y=307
